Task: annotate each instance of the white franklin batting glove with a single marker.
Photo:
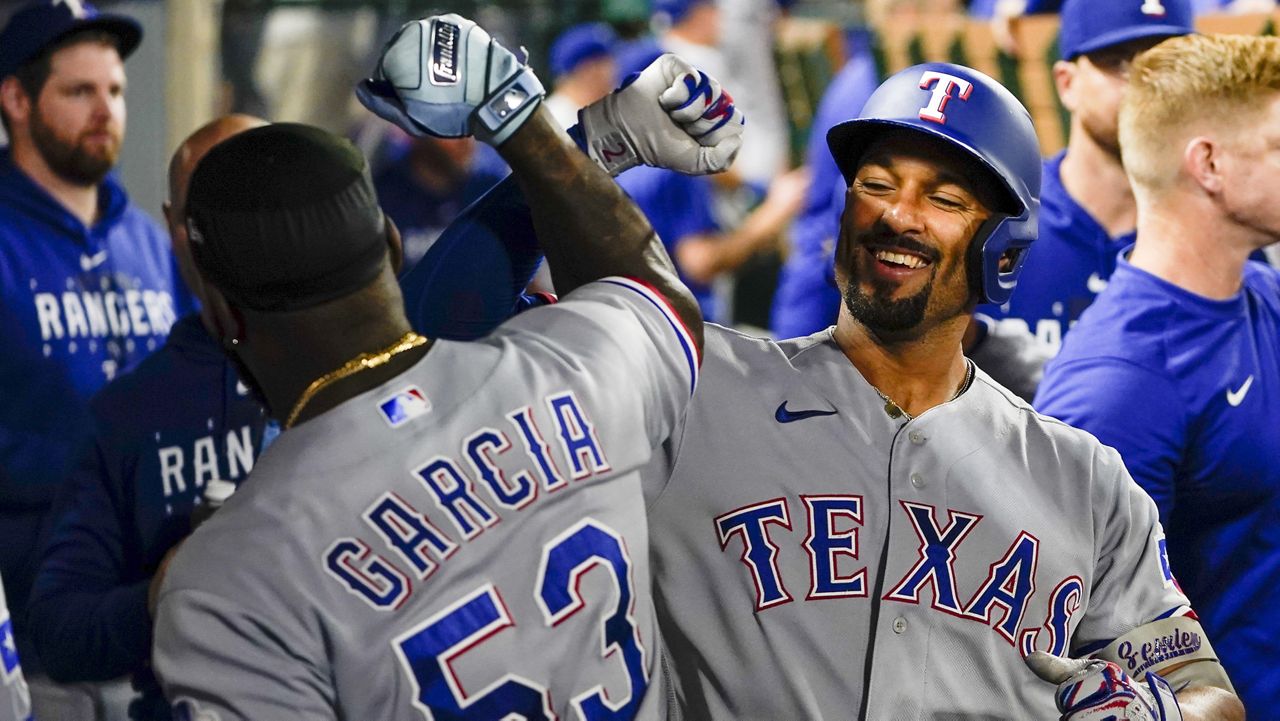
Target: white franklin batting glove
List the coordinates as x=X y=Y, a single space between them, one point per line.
x=671 y=115
x=1097 y=690
x=445 y=76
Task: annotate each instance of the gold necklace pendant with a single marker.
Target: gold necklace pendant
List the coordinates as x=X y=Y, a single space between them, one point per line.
x=364 y=361
x=893 y=410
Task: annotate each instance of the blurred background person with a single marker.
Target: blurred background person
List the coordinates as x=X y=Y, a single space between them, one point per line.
x=430 y=182
x=1087 y=208
x=583 y=69
x=162 y=433
x=88 y=285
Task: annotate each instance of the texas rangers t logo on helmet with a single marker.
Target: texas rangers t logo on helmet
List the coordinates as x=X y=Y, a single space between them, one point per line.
x=944 y=87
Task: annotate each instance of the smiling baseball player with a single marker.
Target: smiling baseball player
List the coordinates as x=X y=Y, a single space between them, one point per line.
x=859 y=524
x=453 y=531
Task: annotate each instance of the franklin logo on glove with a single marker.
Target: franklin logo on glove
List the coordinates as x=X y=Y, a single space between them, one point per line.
x=444 y=54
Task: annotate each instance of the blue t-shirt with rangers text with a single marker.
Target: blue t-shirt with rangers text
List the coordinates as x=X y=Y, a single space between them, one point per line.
x=160 y=433
x=1186 y=388
x=78 y=305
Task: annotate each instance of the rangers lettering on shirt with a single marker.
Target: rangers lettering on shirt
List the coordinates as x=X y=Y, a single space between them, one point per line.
x=1000 y=601
x=93 y=314
x=471 y=496
x=205 y=463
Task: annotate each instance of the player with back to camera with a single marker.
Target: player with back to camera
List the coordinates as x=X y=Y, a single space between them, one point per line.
x=427 y=500
x=859 y=523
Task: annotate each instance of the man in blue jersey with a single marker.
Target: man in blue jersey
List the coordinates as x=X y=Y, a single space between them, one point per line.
x=1177 y=363
x=87 y=282
x=1087 y=211
x=161 y=433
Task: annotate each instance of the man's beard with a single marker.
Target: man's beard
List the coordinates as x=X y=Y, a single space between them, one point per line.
x=878 y=310
x=72 y=162
x=881 y=313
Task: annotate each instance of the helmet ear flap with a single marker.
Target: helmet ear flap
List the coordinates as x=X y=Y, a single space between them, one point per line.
x=975 y=257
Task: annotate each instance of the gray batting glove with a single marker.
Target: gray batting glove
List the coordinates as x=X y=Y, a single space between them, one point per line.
x=1097 y=690
x=445 y=76
x=671 y=115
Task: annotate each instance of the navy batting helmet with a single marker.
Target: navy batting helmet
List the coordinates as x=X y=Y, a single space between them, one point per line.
x=976 y=114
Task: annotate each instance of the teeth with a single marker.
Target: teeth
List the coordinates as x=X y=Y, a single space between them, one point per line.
x=911 y=261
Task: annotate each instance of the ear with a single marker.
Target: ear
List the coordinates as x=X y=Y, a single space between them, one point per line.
x=1064 y=75
x=222 y=319
x=1202 y=160
x=395 y=247
x=14 y=100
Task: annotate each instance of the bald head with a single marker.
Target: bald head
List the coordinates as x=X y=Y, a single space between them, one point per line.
x=181 y=166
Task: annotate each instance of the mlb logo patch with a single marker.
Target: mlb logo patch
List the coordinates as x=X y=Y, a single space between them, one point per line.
x=404 y=406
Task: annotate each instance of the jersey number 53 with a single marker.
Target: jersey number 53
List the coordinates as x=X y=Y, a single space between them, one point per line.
x=428 y=650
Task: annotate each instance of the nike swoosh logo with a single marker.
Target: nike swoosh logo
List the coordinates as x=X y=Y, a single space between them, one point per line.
x=782 y=415
x=88 y=263
x=1096 y=284
x=1236 y=397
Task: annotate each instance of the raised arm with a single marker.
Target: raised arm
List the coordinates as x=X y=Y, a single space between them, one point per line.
x=670 y=115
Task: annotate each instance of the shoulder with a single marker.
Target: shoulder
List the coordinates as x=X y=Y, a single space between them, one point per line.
x=1264 y=281
x=1040 y=433
x=1124 y=323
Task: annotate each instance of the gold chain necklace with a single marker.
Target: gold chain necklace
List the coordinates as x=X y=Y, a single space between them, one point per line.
x=895 y=411
x=364 y=361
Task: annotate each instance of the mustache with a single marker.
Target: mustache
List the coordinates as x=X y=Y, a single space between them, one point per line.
x=880 y=234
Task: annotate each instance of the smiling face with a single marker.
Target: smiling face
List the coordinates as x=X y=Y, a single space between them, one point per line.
x=910 y=215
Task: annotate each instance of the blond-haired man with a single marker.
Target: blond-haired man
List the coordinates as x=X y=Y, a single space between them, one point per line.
x=1177 y=364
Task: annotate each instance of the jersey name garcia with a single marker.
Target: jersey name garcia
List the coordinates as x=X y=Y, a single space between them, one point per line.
x=817 y=559
x=466 y=541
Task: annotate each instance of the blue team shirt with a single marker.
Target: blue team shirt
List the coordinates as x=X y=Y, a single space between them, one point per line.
x=160 y=433
x=678 y=206
x=806 y=299
x=1186 y=388
x=78 y=305
x=1065 y=269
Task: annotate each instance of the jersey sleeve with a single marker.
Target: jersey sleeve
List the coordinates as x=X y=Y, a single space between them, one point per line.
x=225 y=661
x=1133 y=584
x=1131 y=409
x=622 y=350
x=87 y=614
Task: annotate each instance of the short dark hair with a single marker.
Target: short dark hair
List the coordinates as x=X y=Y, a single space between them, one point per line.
x=35 y=73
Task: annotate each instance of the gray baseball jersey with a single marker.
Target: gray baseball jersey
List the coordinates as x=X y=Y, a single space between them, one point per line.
x=816 y=559
x=465 y=541
x=15 y=699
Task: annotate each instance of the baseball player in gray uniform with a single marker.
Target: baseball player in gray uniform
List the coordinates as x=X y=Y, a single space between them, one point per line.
x=444 y=530
x=15 y=699
x=861 y=524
